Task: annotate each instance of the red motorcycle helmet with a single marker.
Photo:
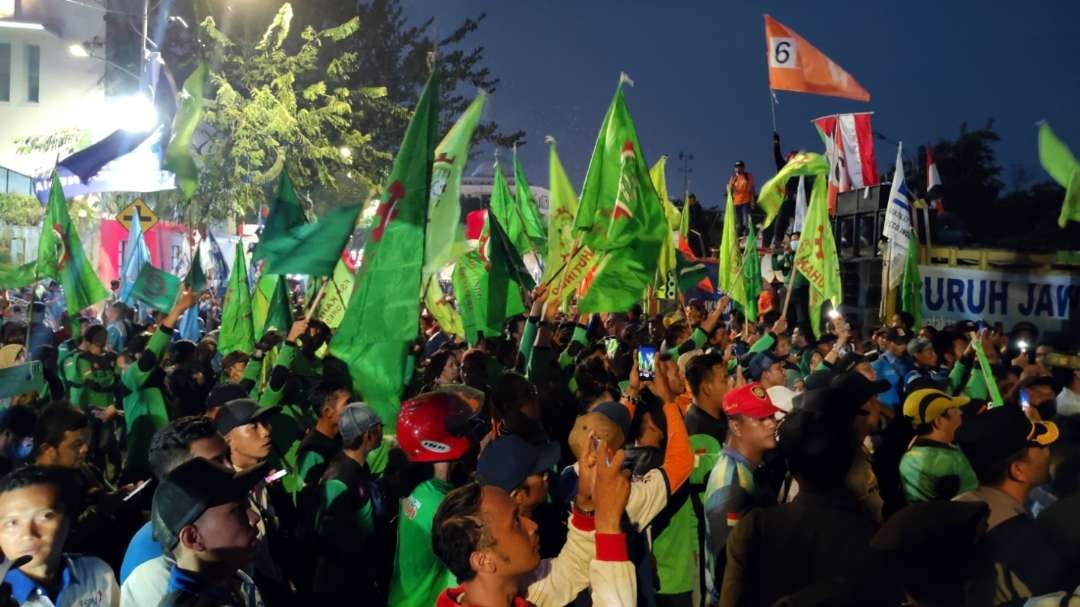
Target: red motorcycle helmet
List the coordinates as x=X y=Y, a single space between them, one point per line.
x=437 y=427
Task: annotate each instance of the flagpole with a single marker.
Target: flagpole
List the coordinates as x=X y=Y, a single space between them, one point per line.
x=772 y=108
x=790 y=289
x=30 y=310
x=318 y=298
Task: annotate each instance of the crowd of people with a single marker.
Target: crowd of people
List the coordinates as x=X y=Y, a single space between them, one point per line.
x=559 y=463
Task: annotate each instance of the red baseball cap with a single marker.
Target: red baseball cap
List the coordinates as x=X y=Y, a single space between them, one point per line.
x=750 y=400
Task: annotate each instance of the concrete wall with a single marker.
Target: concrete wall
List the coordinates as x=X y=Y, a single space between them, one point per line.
x=71 y=92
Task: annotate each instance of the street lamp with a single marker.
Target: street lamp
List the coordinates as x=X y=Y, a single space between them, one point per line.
x=78 y=50
x=686 y=159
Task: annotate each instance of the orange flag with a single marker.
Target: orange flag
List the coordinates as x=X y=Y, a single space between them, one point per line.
x=795 y=65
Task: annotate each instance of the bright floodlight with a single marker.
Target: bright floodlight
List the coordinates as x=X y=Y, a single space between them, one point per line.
x=78 y=50
x=345 y=152
x=138 y=114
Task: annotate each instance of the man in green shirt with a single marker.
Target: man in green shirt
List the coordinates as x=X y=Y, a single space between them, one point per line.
x=419 y=576
x=350 y=508
x=934 y=468
x=144 y=406
x=322 y=442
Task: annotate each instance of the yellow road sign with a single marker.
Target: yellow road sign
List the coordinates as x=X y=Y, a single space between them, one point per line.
x=147 y=218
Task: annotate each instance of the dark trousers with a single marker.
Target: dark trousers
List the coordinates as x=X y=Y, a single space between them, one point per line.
x=776 y=231
x=799 y=309
x=742 y=218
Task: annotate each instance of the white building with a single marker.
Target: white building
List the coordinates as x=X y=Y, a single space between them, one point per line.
x=43 y=87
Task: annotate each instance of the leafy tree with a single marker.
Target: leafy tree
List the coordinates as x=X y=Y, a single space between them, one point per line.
x=974 y=191
x=20 y=209
x=271 y=108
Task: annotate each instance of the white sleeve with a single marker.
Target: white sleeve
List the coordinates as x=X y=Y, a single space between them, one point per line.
x=558 y=580
x=648 y=497
x=147 y=584
x=613 y=583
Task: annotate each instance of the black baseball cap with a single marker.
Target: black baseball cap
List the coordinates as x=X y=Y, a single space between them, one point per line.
x=192 y=488
x=859 y=386
x=239 y=412
x=223 y=393
x=510 y=459
x=898 y=335
x=818 y=379
x=845 y=395
x=849 y=361
x=759 y=363
x=926 y=538
x=997 y=434
x=616 y=412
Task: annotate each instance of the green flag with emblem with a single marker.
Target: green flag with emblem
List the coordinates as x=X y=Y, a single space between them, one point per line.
x=620 y=217
x=237 y=331
x=382 y=319
x=444 y=238
x=816 y=257
x=61 y=256
x=156 y=288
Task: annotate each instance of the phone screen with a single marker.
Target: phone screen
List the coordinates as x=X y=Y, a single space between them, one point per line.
x=646 y=363
x=611 y=347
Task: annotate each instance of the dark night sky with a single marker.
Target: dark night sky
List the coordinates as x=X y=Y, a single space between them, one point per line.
x=702 y=84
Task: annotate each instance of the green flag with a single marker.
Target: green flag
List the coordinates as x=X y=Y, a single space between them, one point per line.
x=15 y=277
x=689 y=272
x=61 y=256
x=684 y=222
x=196 y=278
x=816 y=257
x=382 y=319
x=730 y=275
x=750 y=274
x=729 y=249
x=619 y=217
x=1063 y=167
x=450 y=320
x=237 y=331
x=488 y=289
x=311 y=248
x=284 y=215
x=331 y=308
x=665 y=269
x=772 y=193
x=562 y=206
x=911 y=287
x=156 y=288
x=178 y=157
x=504 y=209
x=444 y=206
x=530 y=213
x=279 y=313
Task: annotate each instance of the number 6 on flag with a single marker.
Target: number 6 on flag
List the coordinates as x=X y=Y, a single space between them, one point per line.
x=795 y=65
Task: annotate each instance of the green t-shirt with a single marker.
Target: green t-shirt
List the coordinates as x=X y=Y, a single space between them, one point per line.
x=419 y=576
x=675 y=550
x=935 y=471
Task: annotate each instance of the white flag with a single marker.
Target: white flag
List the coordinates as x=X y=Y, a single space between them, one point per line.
x=897 y=223
x=800 y=205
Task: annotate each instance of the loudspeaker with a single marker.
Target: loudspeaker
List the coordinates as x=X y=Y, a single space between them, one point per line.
x=863 y=200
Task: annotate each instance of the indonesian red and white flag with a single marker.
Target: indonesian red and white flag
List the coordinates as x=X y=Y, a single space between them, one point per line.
x=849 y=146
x=934 y=193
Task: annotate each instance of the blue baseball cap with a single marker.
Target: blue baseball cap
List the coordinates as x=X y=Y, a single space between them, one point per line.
x=509 y=460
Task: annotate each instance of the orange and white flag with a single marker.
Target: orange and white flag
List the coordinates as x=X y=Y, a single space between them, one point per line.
x=795 y=65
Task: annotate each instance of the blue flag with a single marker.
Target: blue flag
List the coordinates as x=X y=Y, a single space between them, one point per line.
x=219 y=279
x=136 y=255
x=189 y=325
